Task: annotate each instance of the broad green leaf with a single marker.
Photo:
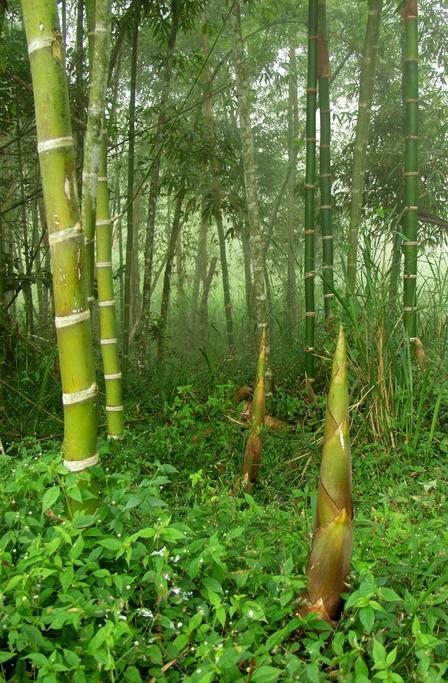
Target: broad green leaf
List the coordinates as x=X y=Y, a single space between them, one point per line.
x=50 y=497
x=266 y=674
x=367 y=618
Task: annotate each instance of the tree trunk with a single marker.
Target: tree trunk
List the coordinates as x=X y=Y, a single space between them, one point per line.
x=366 y=88
x=410 y=217
x=204 y=300
x=99 y=51
x=155 y=170
x=325 y=162
x=166 y=291
x=57 y=163
x=250 y=180
x=130 y=200
x=310 y=186
x=291 y=239
x=200 y=268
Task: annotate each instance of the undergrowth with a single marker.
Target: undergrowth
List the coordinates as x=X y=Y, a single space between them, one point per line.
x=185 y=577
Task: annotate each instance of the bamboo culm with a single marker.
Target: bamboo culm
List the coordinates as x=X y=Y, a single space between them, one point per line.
x=57 y=164
x=410 y=218
x=366 y=88
x=99 y=51
x=106 y=304
x=310 y=186
x=325 y=162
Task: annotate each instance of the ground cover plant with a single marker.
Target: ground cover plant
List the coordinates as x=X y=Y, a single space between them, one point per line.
x=223 y=341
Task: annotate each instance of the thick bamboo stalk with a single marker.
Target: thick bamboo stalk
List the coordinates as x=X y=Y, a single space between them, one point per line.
x=330 y=557
x=57 y=164
x=106 y=304
x=325 y=161
x=310 y=187
x=254 y=445
x=99 y=51
x=410 y=218
x=366 y=88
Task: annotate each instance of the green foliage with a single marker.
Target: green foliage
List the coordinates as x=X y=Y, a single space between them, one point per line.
x=182 y=578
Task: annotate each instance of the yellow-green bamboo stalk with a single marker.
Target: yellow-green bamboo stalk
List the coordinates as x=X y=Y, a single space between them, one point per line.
x=254 y=445
x=106 y=304
x=331 y=551
x=99 y=51
x=57 y=165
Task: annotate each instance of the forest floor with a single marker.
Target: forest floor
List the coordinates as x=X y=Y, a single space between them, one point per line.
x=185 y=577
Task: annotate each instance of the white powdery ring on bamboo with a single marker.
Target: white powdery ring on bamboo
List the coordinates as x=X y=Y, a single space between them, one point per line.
x=114 y=409
x=71 y=319
x=114 y=375
x=66 y=234
x=111 y=340
x=39 y=44
x=80 y=465
x=74 y=397
x=54 y=143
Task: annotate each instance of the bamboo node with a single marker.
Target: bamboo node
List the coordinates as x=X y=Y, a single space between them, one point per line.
x=410 y=173
x=114 y=375
x=311 y=274
x=411 y=100
x=111 y=340
x=103 y=222
x=309 y=232
x=410 y=276
x=104 y=264
x=71 y=319
x=310 y=314
x=325 y=206
x=411 y=208
x=79 y=465
x=114 y=409
x=309 y=186
x=327 y=237
x=411 y=243
x=106 y=304
x=66 y=234
x=102 y=179
x=329 y=295
x=101 y=28
x=72 y=397
x=311 y=90
x=39 y=44
x=54 y=143
x=409 y=309
x=309 y=349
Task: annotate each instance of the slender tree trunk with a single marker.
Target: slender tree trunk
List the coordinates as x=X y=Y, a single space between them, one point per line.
x=99 y=51
x=130 y=199
x=155 y=171
x=366 y=88
x=106 y=304
x=200 y=269
x=217 y=211
x=310 y=186
x=248 y=286
x=27 y=265
x=203 y=311
x=181 y=278
x=410 y=217
x=250 y=180
x=56 y=156
x=325 y=162
x=171 y=251
x=293 y=125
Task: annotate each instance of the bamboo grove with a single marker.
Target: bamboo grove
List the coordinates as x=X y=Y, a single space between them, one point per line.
x=82 y=238
x=221 y=194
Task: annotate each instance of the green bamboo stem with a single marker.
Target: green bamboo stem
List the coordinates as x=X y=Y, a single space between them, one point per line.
x=57 y=164
x=215 y=187
x=330 y=557
x=366 y=88
x=291 y=239
x=254 y=445
x=410 y=218
x=99 y=51
x=106 y=304
x=250 y=180
x=130 y=201
x=310 y=186
x=325 y=161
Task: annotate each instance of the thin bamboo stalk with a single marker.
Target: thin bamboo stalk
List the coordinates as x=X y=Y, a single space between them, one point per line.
x=254 y=445
x=410 y=218
x=325 y=161
x=310 y=187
